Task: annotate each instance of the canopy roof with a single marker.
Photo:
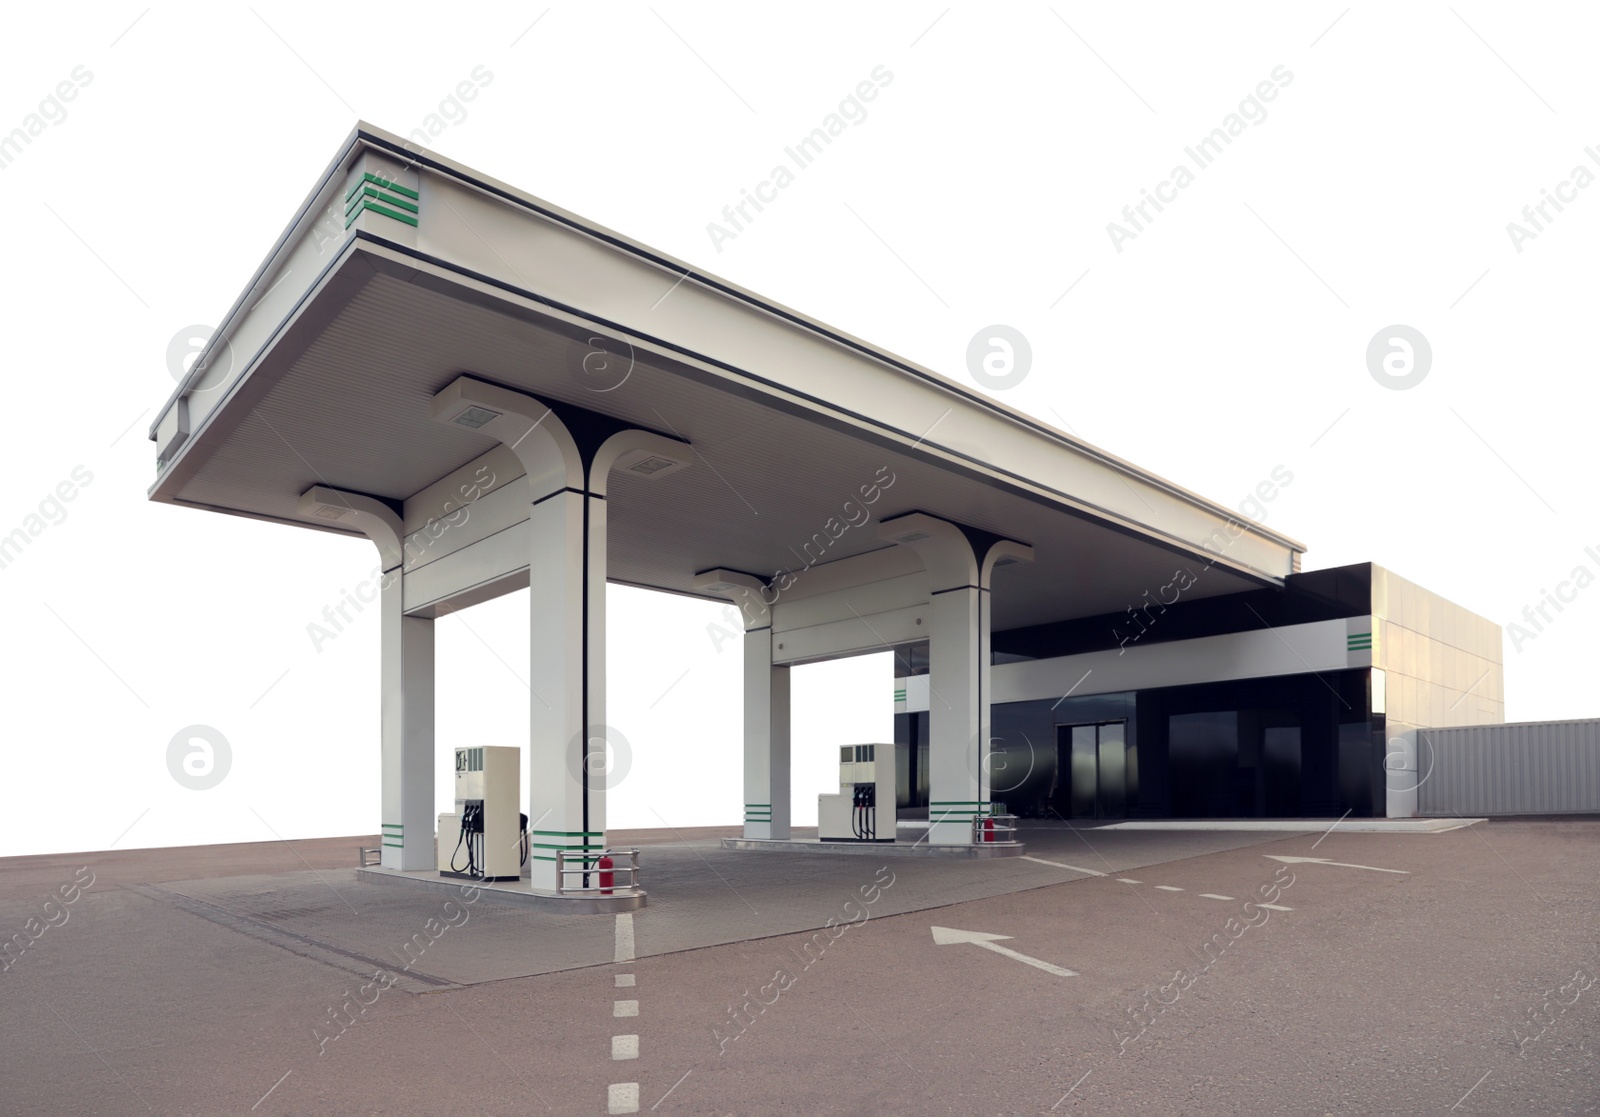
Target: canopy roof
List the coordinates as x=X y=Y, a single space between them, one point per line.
x=324 y=371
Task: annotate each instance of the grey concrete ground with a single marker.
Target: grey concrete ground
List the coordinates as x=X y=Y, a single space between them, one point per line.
x=700 y=895
x=240 y=979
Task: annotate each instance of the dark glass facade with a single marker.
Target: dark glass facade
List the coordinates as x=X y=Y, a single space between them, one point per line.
x=1291 y=746
x=1285 y=746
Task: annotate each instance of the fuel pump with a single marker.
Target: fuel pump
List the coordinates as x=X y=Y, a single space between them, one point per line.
x=487 y=838
x=864 y=808
x=863 y=818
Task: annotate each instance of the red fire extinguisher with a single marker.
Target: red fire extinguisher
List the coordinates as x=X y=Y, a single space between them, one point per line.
x=988 y=829
x=607 y=877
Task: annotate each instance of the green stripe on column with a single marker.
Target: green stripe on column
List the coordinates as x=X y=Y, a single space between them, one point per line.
x=961 y=811
x=568 y=845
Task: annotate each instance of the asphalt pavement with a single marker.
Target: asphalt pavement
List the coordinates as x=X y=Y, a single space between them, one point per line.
x=1116 y=971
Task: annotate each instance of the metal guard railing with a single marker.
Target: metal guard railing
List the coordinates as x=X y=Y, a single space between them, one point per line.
x=994 y=828
x=587 y=865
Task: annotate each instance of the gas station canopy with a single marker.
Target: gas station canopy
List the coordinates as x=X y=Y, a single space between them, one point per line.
x=403 y=270
x=500 y=394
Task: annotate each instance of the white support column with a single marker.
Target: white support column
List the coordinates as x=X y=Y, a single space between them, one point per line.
x=958 y=715
x=958 y=667
x=766 y=740
x=565 y=639
x=408 y=709
x=766 y=707
x=567 y=763
x=1001 y=553
x=406 y=644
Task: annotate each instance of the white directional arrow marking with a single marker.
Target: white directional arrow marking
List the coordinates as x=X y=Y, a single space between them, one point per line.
x=944 y=936
x=1338 y=864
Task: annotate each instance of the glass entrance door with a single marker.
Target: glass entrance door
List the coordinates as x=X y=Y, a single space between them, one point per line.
x=1092 y=770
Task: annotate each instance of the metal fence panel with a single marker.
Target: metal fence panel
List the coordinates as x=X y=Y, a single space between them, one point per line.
x=1526 y=768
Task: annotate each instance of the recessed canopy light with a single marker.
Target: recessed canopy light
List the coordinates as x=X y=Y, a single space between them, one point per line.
x=329 y=512
x=911 y=537
x=650 y=465
x=475 y=417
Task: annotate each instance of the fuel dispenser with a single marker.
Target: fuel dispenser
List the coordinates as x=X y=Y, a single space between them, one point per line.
x=487 y=836
x=864 y=808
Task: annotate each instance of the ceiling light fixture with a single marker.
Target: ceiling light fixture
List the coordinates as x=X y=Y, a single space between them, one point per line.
x=475 y=417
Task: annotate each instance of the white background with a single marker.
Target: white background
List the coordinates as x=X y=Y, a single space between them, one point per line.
x=1226 y=339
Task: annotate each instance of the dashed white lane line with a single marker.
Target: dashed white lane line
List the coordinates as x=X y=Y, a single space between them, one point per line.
x=1059 y=865
x=624 y=945
x=622 y=1097
x=1173 y=888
